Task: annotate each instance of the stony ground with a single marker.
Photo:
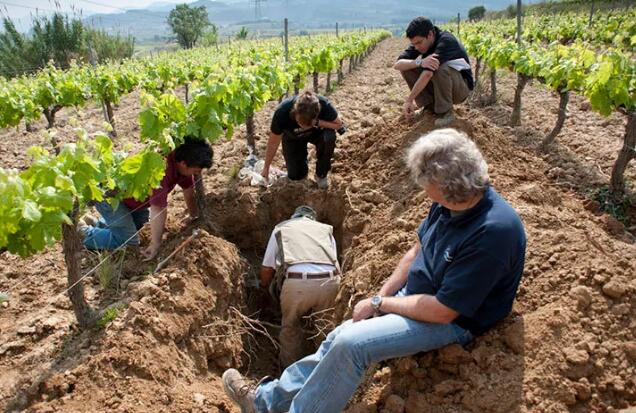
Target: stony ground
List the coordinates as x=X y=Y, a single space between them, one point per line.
x=569 y=346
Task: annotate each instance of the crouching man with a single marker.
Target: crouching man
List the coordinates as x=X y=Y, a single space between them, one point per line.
x=121 y=225
x=436 y=69
x=458 y=280
x=302 y=253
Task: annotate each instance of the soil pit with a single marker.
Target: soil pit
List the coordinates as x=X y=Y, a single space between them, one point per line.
x=247 y=219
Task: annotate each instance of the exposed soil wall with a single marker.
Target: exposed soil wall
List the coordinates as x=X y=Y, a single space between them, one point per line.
x=568 y=346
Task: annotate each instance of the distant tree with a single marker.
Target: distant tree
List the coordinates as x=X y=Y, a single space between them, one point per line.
x=57 y=38
x=14 y=49
x=511 y=11
x=242 y=34
x=54 y=38
x=211 y=36
x=476 y=13
x=109 y=47
x=188 y=23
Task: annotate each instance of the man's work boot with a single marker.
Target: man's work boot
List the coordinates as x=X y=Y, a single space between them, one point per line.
x=323 y=183
x=240 y=390
x=445 y=119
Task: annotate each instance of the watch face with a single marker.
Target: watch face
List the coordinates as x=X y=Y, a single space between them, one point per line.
x=376 y=300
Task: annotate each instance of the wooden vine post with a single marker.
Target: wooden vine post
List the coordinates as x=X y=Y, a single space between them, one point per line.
x=522 y=80
x=286 y=39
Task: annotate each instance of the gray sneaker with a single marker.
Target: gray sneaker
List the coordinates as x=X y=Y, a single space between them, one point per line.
x=445 y=120
x=323 y=183
x=240 y=390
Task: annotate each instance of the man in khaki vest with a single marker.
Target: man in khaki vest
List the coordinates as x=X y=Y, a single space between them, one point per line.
x=302 y=252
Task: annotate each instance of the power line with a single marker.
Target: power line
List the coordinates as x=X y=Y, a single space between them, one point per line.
x=103 y=5
x=29 y=7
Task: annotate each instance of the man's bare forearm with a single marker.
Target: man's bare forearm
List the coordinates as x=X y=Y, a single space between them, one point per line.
x=420 y=307
x=272 y=146
x=400 y=274
x=188 y=196
x=157 y=223
x=420 y=85
x=266 y=276
x=405 y=64
x=335 y=124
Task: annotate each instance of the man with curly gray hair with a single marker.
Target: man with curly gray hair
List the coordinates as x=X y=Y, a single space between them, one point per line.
x=458 y=280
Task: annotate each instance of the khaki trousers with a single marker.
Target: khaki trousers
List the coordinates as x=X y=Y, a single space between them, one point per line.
x=446 y=87
x=300 y=298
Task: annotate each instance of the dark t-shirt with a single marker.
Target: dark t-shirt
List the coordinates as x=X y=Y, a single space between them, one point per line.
x=447 y=48
x=159 y=196
x=283 y=121
x=472 y=262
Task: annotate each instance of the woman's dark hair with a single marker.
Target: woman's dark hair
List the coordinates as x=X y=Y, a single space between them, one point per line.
x=306 y=107
x=196 y=153
x=419 y=26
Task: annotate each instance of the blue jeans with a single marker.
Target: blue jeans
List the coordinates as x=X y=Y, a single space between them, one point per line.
x=115 y=227
x=325 y=381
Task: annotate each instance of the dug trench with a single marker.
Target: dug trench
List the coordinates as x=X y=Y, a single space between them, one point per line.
x=180 y=328
x=568 y=346
x=247 y=219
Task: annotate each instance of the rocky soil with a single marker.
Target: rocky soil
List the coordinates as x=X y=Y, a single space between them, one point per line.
x=568 y=346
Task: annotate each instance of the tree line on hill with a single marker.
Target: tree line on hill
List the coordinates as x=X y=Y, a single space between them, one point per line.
x=59 y=40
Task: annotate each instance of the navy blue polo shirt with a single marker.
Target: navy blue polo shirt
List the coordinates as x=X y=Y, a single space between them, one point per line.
x=471 y=262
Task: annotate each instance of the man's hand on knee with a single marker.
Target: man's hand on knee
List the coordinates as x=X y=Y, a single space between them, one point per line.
x=363 y=310
x=430 y=62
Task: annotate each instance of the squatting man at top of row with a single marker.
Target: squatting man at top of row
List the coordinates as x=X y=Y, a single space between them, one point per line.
x=457 y=281
x=436 y=69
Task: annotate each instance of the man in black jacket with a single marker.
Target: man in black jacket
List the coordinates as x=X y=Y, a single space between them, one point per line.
x=437 y=70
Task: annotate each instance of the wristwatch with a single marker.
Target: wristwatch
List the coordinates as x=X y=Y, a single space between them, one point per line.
x=376 y=302
x=418 y=61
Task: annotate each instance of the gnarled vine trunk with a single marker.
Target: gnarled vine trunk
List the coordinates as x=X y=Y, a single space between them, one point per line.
x=111 y=118
x=493 y=86
x=515 y=117
x=564 y=98
x=626 y=154
x=249 y=125
x=49 y=114
x=72 y=248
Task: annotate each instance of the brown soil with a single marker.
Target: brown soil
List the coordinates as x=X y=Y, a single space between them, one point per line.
x=569 y=346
